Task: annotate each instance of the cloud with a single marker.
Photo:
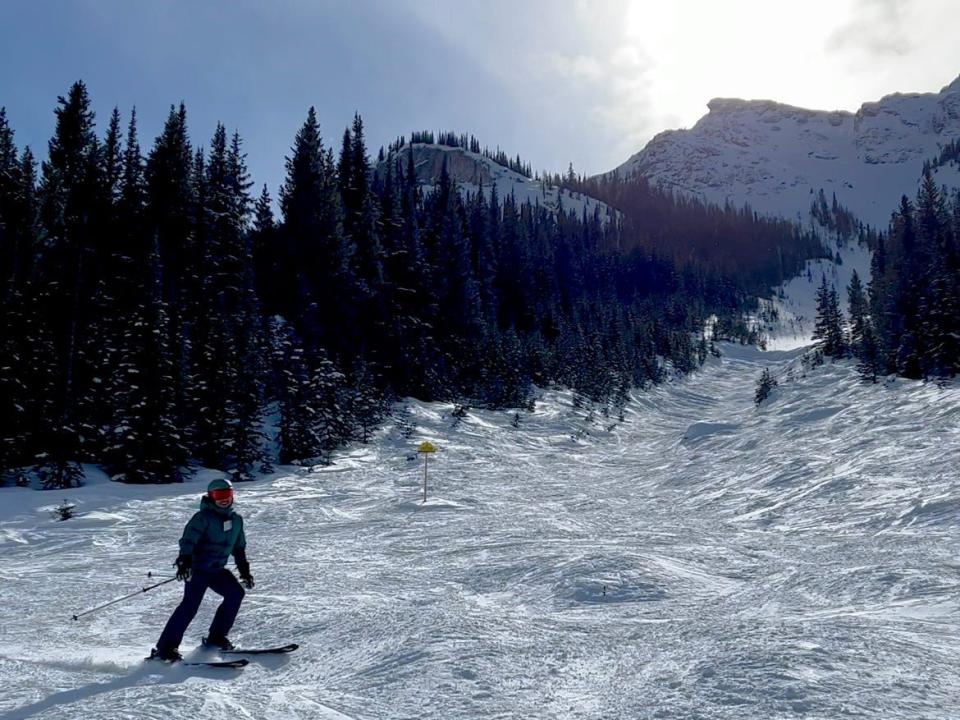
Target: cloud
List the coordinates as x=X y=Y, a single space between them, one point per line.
x=610 y=89
x=877 y=29
x=576 y=68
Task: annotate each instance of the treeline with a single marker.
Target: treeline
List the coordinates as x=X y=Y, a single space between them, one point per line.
x=462 y=140
x=949 y=154
x=907 y=322
x=840 y=221
x=154 y=314
x=759 y=253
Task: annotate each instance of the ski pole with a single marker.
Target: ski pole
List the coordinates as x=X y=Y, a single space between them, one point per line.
x=125 y=597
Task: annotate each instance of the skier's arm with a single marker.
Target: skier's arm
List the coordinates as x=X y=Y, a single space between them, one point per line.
x=240 y=552
x=240 y=555
x=192 y=534
x=240 y=546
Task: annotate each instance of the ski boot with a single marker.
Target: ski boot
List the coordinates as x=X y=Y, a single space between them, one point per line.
x=166 y=654
x=219 y=642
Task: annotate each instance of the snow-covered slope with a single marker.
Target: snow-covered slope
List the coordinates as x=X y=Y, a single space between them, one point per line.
x=776 y=157
x=793 y=310
x=703 y=560
x=473 y=170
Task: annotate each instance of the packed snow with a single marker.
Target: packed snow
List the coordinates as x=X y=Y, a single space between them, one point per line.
x=702 y=559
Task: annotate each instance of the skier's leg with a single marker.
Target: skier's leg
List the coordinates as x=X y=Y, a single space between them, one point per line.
x=225 y=584
x=193 y=591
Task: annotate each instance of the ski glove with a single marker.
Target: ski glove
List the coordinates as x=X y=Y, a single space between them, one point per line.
x=183 y=564
x=245 y=577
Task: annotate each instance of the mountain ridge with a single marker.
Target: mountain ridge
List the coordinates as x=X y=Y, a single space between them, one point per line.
x=474 y=171
x=775 y=157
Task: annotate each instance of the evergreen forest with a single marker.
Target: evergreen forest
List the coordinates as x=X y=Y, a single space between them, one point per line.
x=159 y=313
x=906 y=322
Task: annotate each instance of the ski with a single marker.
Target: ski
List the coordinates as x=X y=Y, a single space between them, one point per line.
x=262 y=651
x=239 y=663
x=235 y=664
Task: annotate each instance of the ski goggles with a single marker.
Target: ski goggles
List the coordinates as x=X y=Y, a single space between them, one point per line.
x=219 y=495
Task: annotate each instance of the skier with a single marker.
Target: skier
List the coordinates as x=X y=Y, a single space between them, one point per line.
x=212 y=535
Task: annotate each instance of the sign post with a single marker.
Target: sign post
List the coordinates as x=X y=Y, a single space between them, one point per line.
x=426 y=449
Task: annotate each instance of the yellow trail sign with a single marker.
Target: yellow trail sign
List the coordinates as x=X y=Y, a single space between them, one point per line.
x=427 y=448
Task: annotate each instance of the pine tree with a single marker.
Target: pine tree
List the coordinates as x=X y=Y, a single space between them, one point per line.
x=69 y=191
x=312 y=420
x=483 y=250
x=857 y=303
x=765 y=386
x=361 y=216
x=939 y=321
x=330 y=425
x=251 y=342
x=104 y=324
x=454 y=284
x=297 y=439
x=829 y=323
x=504 y=381
x=263 y=221
x=146 y=443
x=907 y=261
x=20 y=332
x=870 y=363
x=267 y=255
x=112 y=159
x=320 y=253
x=229 y=395
x=881 y=304
x=367 y=404
x=173 y=220
x=914 y=287
x=837 y=341
x=149 y=447
x=418 y=361
x=9 y=182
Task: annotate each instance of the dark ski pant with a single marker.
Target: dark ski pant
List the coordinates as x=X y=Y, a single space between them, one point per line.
x=221 y=582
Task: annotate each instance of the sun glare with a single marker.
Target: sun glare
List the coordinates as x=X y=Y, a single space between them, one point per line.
x=754 y=50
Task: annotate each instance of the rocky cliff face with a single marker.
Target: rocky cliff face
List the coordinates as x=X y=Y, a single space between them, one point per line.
x=776 y=157
x=465 y=167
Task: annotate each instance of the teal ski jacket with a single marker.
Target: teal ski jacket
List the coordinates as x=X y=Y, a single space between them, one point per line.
x=212 y=536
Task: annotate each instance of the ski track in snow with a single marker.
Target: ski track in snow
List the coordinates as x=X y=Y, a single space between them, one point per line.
x=703 y=560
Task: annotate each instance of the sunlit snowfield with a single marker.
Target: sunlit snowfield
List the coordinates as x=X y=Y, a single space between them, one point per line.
x=702 y=560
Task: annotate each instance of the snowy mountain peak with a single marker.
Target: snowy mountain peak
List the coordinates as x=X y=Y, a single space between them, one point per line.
x=775 y=157
x=770 y=110
x=952 y=87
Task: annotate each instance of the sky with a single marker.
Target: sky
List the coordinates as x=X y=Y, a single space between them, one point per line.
x=586 y=82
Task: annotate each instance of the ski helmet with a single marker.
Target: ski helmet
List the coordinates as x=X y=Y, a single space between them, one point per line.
x=221 y=492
